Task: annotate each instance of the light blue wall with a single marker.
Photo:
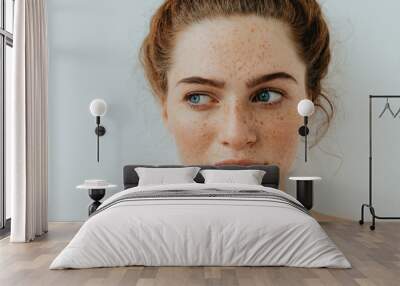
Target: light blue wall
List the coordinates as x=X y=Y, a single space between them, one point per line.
x=93 y=47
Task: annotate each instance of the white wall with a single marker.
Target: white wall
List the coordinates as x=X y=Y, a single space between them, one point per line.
x=366 y=45
x=93 y=49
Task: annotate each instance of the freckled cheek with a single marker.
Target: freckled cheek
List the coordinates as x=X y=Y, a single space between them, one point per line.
x=282 y=124
x=284 y=134
x=193 y=133
x=278 y=136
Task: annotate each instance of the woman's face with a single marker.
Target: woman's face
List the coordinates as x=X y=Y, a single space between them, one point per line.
x=233 y=90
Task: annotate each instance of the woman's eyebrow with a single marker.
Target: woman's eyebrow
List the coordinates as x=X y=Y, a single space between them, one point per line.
x=269 y=77
x=202 y=81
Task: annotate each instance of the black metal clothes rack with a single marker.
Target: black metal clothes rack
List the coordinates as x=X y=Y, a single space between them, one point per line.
x=370 y=204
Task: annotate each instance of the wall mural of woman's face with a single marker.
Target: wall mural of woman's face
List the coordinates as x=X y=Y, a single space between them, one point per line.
x=233 y=90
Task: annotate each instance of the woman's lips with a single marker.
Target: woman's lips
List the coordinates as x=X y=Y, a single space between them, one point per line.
x=243 y=162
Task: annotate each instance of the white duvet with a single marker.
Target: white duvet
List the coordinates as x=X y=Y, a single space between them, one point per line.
x=200 y=232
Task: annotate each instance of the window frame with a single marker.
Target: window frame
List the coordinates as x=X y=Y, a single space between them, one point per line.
x=6 y=39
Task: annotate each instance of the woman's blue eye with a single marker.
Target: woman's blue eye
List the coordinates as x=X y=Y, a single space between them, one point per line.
x=198 y=99
x=267 y=96
x=195 y=99
x=264 y=96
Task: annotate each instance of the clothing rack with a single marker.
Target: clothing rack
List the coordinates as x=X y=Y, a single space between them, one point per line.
x=370 y=205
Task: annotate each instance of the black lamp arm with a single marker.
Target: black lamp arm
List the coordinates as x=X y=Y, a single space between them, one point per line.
x=100 y=131
x=304 y=131
x=98 y=143
x=305 y=137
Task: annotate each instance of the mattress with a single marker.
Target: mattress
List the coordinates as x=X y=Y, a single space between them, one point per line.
x=201 y=225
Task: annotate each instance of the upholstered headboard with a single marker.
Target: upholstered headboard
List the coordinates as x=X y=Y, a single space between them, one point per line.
x=271 y=177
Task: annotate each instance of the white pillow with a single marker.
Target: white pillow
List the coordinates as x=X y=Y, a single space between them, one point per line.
x=162 y=176
x=248 y=177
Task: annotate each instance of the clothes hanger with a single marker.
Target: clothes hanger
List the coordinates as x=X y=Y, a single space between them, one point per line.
x=397 y=113
x=387 y=107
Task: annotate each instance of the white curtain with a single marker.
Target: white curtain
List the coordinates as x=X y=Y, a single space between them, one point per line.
x=27 y=119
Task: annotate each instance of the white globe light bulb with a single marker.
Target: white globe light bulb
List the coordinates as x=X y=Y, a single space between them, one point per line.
x=305 y=108
x=98 y=107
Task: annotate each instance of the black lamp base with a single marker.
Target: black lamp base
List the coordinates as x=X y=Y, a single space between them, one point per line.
x=304 y=131
x=100 y=130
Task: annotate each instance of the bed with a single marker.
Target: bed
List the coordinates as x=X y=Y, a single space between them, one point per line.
x=199 y=224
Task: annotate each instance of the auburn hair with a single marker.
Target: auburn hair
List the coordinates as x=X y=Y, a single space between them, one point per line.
x=309 y=32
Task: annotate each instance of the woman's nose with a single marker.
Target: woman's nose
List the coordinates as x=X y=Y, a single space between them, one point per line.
x=238 y=130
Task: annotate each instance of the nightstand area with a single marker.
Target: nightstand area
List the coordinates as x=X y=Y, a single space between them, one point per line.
x=304 y=190
x=97 y=191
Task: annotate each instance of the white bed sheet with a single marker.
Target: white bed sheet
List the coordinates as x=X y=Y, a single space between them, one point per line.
x=200 y=232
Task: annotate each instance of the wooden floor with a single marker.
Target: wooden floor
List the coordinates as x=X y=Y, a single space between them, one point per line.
x=375 y=257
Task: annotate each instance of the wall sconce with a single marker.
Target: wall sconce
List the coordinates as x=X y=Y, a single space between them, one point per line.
x=98 y=108
x=305 y=108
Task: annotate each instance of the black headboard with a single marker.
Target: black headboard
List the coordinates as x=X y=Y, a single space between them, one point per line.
x=271 y=177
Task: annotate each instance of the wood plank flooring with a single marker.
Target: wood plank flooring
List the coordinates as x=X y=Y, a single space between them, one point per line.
x=375 y=257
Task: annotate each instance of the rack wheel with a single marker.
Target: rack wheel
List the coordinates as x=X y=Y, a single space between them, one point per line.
x=361 y=222
x=372 y=227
